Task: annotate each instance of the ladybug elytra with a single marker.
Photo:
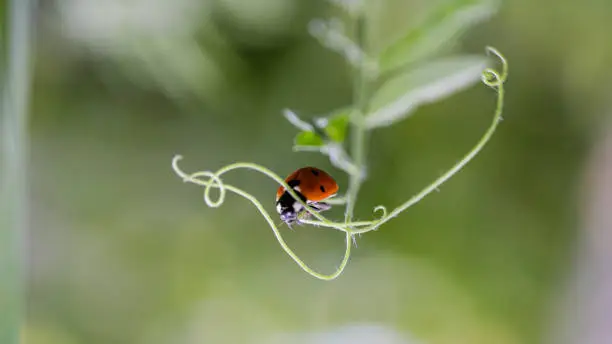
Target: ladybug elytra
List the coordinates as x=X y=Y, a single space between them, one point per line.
x=312 y=185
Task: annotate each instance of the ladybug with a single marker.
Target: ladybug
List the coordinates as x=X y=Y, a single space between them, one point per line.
x=312 y=185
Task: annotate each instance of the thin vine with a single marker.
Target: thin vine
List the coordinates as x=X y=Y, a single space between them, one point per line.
x=215 y=181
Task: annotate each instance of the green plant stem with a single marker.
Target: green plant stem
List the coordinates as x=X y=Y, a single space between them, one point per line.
x=358 y=129
x=13 y=179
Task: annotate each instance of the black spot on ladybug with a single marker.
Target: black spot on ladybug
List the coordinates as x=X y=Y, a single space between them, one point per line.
x=322 y=188
x=293 y=183
x=315 y=172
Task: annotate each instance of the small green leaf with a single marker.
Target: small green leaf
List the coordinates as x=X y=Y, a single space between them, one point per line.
x=308 y=138
x=400 y=96
x=436 y=32
x=337 y=124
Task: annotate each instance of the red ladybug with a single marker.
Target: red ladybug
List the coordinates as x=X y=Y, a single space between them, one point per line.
x=312 y=185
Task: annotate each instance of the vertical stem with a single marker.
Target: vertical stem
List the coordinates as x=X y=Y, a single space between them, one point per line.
x=13 y=180
x=358 y=130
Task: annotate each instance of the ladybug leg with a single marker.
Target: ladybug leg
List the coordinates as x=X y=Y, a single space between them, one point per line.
x=288 y=217
x=320 y=206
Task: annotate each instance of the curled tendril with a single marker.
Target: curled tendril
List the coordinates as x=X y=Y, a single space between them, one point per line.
x=381 y=208
x=498 y=84
x=214 y=182
x=490 y=76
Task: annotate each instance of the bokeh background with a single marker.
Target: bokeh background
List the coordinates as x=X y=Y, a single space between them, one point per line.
x=512 y=250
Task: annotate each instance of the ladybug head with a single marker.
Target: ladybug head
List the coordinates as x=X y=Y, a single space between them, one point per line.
x=289 y=217
x=288 y=209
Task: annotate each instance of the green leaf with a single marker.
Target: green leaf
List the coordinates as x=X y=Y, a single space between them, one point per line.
x=308 y=138
x=337 y=124
x=436 y=32
x=399 y=97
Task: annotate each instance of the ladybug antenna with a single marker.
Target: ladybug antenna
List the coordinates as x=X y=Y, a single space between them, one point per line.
x=280 y=224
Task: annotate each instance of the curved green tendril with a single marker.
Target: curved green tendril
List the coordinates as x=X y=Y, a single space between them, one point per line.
x=491 y=78
x=215 y=182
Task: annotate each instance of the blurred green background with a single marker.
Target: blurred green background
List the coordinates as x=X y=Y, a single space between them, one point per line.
x=121 y=251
